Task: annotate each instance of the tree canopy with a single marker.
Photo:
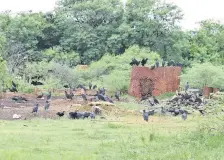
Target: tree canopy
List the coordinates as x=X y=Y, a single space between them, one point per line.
x=86 y=31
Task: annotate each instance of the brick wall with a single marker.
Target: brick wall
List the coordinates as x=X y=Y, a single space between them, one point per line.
x=145 y=81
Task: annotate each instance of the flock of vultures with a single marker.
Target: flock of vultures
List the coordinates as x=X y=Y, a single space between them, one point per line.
x=174 y=105
x=99 y=96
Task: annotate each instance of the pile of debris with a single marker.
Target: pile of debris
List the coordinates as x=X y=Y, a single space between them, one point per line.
x=188 y=102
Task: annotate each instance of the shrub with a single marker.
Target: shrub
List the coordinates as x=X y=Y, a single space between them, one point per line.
x=114 y=71
x=4 y=76
x=204 y=74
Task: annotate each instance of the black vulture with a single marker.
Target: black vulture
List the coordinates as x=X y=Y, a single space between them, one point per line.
x=47 y=105
x=153 y=67
x=186 y=87
x=102 y=91
x=100 y=96
x=117 y=96
x=133 y=62
x=61 y=114
x=84 y=97
x=49 y=96
x=202 y=111
x=19 y=99
x=198 y=100
x=144 y=98
x=145 y=116
x=36 y=83
x=66 y=86
x=92 y=116
x=184 y=116
x=108 y=99
x=71 y=93
x=95 y=86
x=157 y=63
x=81 y=86
x=40 y=96
x=179 y=65
x=163 y=111
x=163 y=63
x=176 y=112
x=155 y=100
x=35 y=108
x=86 y=115
x=151 y=103
x=14 y=87
x=68 y=96
x=144 y=61
x=13 y=84
x=151 y=112
x=90 y=85
x=137 y=63
x=73 y=115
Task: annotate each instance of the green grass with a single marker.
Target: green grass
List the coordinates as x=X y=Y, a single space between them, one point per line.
x=94 y=140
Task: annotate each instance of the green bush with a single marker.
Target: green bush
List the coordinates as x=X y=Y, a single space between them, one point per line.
x=113 y=72
x=204 y=74
x=5 y=78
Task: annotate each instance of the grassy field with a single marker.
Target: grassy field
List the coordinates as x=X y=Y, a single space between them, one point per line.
x=131 y=138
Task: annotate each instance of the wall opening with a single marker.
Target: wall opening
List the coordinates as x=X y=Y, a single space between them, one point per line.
x=146 y=87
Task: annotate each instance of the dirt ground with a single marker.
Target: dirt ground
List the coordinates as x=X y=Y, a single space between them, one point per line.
x=8 y=107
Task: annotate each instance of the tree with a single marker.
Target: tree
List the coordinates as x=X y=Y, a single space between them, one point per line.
x=86 y=26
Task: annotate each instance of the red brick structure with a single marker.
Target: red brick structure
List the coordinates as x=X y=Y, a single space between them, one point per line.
x=145 y=81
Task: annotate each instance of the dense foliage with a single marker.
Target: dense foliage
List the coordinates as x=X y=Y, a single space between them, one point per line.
x=104 y=34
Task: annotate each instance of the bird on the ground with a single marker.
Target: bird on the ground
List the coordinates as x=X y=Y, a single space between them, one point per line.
x=108 y=99
x=95 y=86
x=14 y=87
x=90 y=85
x=92 y=116
x=171 y=63
x=66 y=86
x=40 y=96
x=102 y=91
x=151 y=112
x=155 y=100
x=186 y=87
x=163 y=111
x=68 y=96
x=151 y=103
x=84 y=97
x=36 y=83
x=47 y=105
x=184 y=116
x=163 y=63
x=157 y=63
x=71 y=93
x=19 y=99
x=144 y=97
x=100 y=96
x=60 y=114
x=117 y=96
x=153 y=67
x=14 y=84
x=144 y=61
x=35 y=108
x=49 y=96
x=81 y=86
x=145 y=116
